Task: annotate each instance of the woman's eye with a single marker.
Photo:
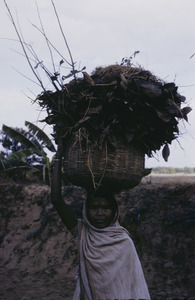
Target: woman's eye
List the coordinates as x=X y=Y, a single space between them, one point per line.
x=93 y=207
x=100 y=207
x=106 y=207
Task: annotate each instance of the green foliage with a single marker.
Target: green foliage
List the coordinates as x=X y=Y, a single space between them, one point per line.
x=29 y=161
x=171 y=170
x=20 y=155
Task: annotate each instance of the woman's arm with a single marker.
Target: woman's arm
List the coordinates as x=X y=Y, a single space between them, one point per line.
x=64 y=210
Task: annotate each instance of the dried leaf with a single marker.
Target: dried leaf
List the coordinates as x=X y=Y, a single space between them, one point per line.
x=124 y=82
x=151 y=89
x=174 y=108
x=170 y=88
x=87 y=79
x=180 y=98
x=84 y=68
x=49 y=120
x=166 y=152
x=106 y=86
x=123 y=85
x=94 y=110
x=81 y=121
x=186 y=111
x=129 y=136
x=163 y=115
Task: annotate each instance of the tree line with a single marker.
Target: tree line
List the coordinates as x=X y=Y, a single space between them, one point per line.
x=171 y=170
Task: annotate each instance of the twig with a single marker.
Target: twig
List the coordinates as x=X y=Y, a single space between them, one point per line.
x=65 y=40
x=26 y=76
x=22 y=44
x=37 y=63
x=33 y=53
x=52 y=45
x=44 y=34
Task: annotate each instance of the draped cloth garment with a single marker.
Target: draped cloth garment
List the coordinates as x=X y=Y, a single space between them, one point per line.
x=109 y=267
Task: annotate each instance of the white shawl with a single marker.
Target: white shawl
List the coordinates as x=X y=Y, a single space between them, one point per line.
x=109 y=267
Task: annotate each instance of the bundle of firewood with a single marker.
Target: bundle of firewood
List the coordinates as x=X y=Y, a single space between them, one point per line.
x=117 y=101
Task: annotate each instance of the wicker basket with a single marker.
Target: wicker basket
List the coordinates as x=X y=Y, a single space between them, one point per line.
x=91 y=168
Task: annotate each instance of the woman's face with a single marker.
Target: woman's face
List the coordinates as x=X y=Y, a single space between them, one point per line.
x=100 y=212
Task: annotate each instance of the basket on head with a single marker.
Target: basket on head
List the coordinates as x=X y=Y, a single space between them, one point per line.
x=91 y=168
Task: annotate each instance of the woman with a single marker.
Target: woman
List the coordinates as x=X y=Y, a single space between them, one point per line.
x=109 y=267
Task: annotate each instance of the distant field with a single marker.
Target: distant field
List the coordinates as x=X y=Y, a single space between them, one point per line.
x=169 y=178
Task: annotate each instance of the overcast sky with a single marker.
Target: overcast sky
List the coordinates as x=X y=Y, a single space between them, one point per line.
x=99 y=33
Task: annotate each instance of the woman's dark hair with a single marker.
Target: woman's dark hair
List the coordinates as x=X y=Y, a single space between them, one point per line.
x=107 y=194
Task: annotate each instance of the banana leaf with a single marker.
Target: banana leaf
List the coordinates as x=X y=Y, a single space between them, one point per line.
x=21 y=138
x=41 y=135
x=20 y=155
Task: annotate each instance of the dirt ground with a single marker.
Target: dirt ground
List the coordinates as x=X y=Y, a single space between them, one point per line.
x=38 y=256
